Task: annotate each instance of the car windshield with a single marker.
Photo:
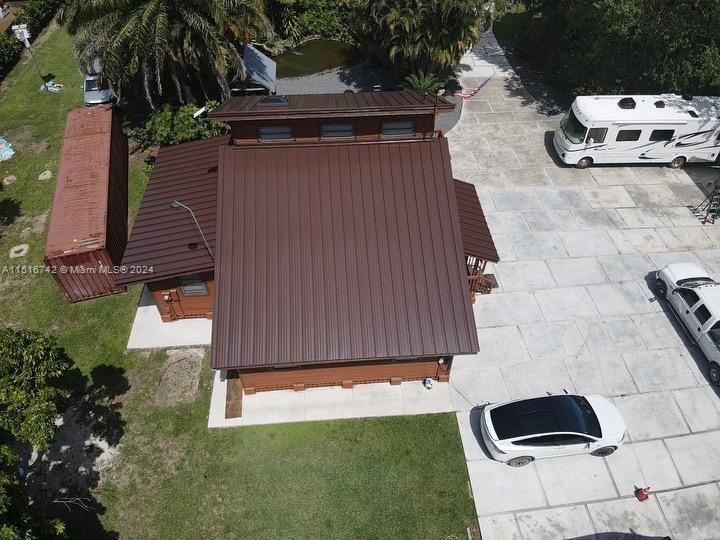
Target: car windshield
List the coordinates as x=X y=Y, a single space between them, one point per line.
x=93 y=85
x=549 y=414
x=695 y=282
x=572 y=128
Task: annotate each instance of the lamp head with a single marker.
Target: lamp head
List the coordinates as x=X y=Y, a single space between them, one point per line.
x=175 y=205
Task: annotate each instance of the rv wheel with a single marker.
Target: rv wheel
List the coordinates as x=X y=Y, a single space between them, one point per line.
x=584 y=163
x=677 y=163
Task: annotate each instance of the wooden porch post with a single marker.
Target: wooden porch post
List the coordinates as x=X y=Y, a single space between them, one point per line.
x=233 y=399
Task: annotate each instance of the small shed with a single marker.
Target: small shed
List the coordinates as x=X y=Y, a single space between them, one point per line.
x=88 y=224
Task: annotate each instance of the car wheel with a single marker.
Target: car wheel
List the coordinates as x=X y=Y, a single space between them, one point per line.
x=715 y=374
x=677 y=163
x=520 y=461
x=604 y=451
x=660 y=288
x=584 y=163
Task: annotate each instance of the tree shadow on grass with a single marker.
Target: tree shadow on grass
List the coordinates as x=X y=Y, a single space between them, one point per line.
x=9 y=211
x=60 y=482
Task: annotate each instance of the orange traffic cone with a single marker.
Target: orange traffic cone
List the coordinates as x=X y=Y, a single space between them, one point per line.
x=642 y=493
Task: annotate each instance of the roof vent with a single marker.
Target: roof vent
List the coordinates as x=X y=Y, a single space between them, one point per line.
x=274 y=100
x=660 y=104
x=692 y=113
x=627 y=103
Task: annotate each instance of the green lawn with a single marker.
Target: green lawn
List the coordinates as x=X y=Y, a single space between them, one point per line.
x=172 y=478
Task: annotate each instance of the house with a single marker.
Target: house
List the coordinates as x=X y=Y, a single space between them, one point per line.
x=325 y=236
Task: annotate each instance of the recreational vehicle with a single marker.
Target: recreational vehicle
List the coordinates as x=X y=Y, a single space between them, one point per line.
x=666 y=129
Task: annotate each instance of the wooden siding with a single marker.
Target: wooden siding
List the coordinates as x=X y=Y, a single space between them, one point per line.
x=346 y=375
x=180 y=306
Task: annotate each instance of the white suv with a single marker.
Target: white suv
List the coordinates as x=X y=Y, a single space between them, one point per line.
x=695 y=299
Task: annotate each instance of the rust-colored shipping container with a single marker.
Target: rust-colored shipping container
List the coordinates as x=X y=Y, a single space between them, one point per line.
x=88 y=224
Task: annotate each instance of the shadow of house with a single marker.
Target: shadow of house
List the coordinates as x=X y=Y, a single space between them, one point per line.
x=60 y=482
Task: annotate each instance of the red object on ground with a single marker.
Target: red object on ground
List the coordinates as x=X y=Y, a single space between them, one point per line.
x=642 y=493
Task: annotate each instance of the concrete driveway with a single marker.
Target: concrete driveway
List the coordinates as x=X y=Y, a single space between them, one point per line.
x=574 y=311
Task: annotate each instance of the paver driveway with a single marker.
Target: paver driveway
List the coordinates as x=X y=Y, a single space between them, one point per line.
x=574 y=312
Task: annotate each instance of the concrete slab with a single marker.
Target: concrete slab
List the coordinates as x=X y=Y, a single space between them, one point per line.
x=328 y=403
x=568 y=522
x=417 y=399
x=680 y=216
x=638 y=241
x=614 y=176
x=661 y=369
x=653 y=174
x=537 y=245
x=501 y=345
x=700 y=407
x=506 y=222
x=643 y=218
x=574 y=479
x=606 y=375
x=490 y=480
x=516 y=200
x=486 y=179
x=377 y=399
x=710 y=260
x=653 y=196
x=499 y=527
x=556 y=198
x=609 y=335
x=594 y=219
x=620 y=299
x=570 y=177
x=685 y=238
x=547 y=340
x=504 y=247
x=660 y=260
x=629 y=517
x=696 y=456
x=642 y=464
x=476 y=385
x=692 y=512
x=608 y=197
x=572 y=272
x=273 y=407
x=524 y=275
x=687 y=194
x=620 y=268
x=150 y=332
x=550 y=220
x=657 y=331
x=588 y=243
x=506 y=309
x=565 y=303
x=651 y=416
x=527 y=177
x=533 y=379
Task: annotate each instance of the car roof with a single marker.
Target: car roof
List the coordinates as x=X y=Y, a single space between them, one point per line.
x=548 y=414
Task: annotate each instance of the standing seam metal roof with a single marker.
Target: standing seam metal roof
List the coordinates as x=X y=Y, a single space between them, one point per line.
x=335 y=253
x=477 y=240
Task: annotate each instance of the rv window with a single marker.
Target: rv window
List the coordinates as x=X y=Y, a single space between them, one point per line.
x=572 y=128
x=628 y=135
x=274 y=133
x=597 y=135
x=662 y=134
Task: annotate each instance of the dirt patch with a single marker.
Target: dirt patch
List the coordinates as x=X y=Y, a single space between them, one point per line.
x=23 y=140
x=179 y=378
x=33 y=225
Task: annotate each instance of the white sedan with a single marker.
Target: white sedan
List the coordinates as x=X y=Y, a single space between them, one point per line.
x=518 y=432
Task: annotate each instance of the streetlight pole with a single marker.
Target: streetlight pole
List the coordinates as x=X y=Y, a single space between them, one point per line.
x=177 y=205
x=23 y=35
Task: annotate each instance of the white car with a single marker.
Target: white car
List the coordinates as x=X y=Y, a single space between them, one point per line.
x=518 y=432
x=694 y=297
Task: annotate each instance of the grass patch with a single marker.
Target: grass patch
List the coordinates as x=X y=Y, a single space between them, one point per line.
x=383 y=478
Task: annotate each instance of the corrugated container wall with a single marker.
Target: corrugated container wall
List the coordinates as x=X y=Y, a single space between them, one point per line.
x=88 y=223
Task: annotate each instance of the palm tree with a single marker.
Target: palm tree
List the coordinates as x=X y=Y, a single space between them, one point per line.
x=161 y=41
x=428 y=35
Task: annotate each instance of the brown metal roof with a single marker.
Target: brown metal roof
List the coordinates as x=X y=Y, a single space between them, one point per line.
x=404 y=103
x=476 y=237
x=161 y=235
x=78 y=221
x=336 y=253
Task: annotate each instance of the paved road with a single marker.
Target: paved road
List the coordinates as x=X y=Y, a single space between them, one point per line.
x=574 y=312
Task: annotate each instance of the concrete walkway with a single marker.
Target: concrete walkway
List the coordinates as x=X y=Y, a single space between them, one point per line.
x=574 y=312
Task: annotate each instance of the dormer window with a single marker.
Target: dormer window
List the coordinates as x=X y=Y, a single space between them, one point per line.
x=337 y=131
x=398 y=128
x=275 y=133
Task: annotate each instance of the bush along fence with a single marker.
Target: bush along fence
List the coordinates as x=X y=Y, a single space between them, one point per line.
x=36 y=14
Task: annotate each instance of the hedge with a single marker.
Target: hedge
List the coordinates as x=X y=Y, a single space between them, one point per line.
x=10 y=50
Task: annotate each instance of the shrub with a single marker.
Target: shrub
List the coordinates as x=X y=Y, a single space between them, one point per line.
x=10 y=50
x=423 y=81
x=37 y=14
x=174 y=125
x=296 y=20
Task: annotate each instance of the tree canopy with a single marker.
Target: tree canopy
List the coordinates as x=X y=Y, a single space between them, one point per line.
x=161 y=43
